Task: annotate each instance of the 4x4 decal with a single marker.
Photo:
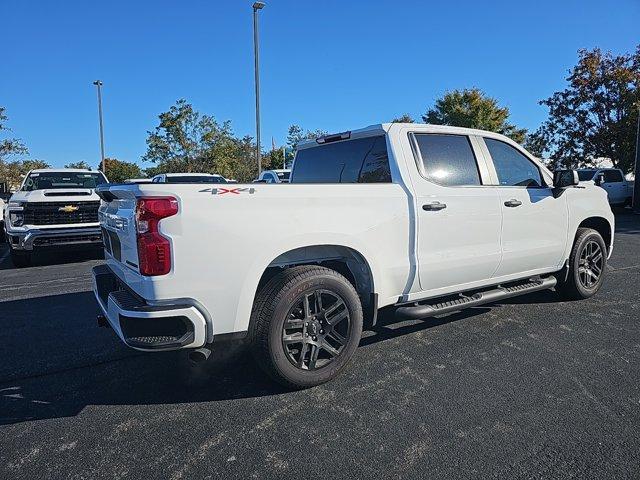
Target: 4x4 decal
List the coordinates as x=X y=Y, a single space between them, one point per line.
x=222 y=191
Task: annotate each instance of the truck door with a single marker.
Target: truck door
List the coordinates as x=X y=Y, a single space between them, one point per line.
x=613 y=183
x=534 y=221
x=458 y=218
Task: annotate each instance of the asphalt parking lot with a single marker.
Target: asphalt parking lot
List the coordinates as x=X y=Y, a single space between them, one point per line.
x=530 y=388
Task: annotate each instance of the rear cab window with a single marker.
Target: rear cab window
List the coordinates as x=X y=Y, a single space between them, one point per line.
x=359 y=160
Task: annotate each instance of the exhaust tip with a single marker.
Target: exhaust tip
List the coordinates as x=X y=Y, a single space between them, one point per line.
x=199 y=355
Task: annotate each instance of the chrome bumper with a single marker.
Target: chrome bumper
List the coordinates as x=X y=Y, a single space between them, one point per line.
x=52 y=237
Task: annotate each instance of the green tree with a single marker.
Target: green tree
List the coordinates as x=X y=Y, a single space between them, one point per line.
x=596 y=114
x=9 y=146
x=118 y=171
x=13 y=172
x=296 y=134
x=81 y=164
x=187 y=141
x=404 y=118
x=471 y=108
x=10 y=171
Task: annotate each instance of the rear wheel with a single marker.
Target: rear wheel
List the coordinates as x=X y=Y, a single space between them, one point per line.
x=306 y=325
x=20 y=259
x=587 y=264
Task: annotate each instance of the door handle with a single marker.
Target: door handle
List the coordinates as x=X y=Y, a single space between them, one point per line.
x=434 y=206
x=512 y=203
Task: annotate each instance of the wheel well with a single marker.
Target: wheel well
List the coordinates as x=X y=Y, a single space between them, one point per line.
x=601 y=225
x=344 y=260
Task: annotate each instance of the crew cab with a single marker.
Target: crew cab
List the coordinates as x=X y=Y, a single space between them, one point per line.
x=425 y=219
x=619 y=189
x=53 y=208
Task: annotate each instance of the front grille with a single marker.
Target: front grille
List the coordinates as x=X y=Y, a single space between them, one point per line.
x=50 y=213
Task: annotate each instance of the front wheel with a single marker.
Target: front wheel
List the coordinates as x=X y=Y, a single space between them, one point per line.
x=587 y=264
x=306 y=324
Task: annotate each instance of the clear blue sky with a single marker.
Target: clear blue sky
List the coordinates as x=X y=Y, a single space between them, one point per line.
x=334 y=65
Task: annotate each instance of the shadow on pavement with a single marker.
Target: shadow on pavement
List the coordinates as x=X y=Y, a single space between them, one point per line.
x=69 y=363
x=627 y=222
x=52 y=257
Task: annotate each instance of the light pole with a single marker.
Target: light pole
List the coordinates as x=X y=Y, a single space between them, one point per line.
x=98 y=83
x=636 y=183
x=257 y=6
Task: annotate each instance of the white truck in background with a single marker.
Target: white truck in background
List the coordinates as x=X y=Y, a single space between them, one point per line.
x=428 y=219
x=619 y=189
x=54 y=208
x=188 y=178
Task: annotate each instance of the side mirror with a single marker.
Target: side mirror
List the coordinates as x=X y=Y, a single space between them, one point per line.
x=565 y=178
x=599 y=179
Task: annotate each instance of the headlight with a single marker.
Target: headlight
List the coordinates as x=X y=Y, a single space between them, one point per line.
x=16 y=218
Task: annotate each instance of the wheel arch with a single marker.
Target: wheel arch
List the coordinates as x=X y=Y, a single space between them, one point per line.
x=344 y=259
x=600 y=225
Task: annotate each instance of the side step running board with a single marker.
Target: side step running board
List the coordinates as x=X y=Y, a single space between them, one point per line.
x=423 y=310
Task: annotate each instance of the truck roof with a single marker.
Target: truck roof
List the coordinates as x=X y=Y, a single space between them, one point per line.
x=190 y=174
x=62 y=170
x=381 y=128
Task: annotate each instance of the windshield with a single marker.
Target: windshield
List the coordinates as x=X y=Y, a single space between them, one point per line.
x=195 y=179
x=585 y=175
x=48 y=180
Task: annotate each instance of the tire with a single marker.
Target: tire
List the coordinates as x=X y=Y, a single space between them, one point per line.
x=333 y=326
x=580 y=282
x=20 y=259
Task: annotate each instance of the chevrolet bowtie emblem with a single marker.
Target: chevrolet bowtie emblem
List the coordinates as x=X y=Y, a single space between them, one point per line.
x=68 y=208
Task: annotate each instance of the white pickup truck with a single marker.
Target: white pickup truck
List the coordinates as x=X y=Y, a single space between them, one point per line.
x=53 y=208
x=619 y=189
x=429 y=219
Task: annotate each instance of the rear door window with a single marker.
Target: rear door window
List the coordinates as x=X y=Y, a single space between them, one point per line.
x=448 y=159
x=362 y=160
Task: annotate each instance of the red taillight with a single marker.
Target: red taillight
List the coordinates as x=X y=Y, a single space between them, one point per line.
x=154 y=250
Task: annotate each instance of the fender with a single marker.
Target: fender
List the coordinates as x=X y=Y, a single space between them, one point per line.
x=250 y=286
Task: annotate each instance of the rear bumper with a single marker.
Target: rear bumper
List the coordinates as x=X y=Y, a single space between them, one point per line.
x=147 y=327
x=27 y=240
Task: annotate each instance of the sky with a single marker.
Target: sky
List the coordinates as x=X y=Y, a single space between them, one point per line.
x=331 y=65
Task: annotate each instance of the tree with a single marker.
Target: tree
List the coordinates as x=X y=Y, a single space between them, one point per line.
x=10 y=172
x=187 y=141
x=471 y=108
x=9 y=146
x=118 y=171
x=81 y=164
x=404 y=118
x=13 y=172
x=296 y=134
x=596 y=114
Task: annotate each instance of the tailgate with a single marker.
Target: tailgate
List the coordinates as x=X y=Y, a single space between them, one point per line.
x=118 y=223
